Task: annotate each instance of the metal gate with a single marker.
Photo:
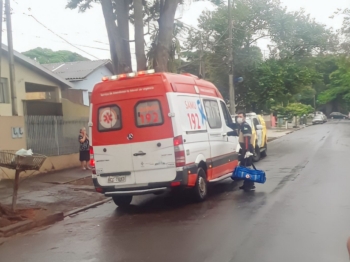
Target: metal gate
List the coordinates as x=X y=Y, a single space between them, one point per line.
x=53 y=135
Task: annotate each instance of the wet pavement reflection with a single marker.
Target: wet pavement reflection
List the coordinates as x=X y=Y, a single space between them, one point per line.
x=301 y=214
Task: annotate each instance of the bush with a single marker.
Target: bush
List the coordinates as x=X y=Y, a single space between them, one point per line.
x=293 y=109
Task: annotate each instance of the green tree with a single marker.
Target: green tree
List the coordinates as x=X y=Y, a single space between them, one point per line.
x=296 y=40
x=298 y=65
x=344 y=32
x=338 y=92
x=296 y=34
x=47 y=56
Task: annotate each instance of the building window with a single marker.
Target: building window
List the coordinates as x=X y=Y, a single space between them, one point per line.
x=4 y=91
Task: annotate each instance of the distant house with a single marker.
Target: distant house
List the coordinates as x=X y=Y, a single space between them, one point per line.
x=38 y=89
x=38 y=93
x=83 y=75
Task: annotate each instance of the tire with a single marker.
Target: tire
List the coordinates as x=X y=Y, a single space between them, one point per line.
x=200 y=190
x=264 y=153
x=257 y=154
x=122 y=201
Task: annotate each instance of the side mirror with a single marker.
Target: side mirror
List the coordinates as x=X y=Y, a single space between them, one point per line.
x=259 y=127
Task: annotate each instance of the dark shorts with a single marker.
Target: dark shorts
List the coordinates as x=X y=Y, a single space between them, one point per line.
x=84 y=155
x=245 y=161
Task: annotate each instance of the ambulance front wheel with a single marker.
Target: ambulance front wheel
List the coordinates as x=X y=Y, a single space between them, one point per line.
x=122 y=201
x=257 y=154
x=264 y=153
x=200 y=190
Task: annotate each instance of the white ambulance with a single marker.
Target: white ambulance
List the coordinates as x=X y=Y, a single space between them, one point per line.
x=151 y=132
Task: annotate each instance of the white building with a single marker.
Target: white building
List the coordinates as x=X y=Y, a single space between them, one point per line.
x=83 y=75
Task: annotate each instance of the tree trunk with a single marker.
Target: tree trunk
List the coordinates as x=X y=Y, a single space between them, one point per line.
x=113 y=51
x=122 y=11
x=120 y=56
x=139 y=36
x=166 y=25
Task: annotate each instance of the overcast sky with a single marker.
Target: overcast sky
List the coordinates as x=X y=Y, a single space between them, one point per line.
x=87 y=30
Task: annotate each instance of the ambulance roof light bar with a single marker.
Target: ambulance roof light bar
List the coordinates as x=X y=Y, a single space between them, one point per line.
x=128 y=75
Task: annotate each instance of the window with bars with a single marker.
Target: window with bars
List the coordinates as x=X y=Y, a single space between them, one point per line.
x=4 y=91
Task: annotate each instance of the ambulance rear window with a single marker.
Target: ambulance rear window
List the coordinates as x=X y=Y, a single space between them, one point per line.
x=148 y=113
x=109 y=118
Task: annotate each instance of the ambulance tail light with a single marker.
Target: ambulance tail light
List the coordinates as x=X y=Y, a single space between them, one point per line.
x=122 y=76
x=146 y=72
x=92 y=158
x=180 y=159
x=127 y=75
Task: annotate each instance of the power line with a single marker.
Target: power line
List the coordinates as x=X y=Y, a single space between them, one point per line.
x=52 y=40
x=60 y=36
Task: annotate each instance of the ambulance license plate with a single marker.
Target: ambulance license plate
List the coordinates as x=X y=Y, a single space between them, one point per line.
x=116 y=179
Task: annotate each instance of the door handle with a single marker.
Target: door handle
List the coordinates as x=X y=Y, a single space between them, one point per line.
x=140 y=153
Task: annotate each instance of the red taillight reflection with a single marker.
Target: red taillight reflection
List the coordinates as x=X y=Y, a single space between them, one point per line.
x=178 y=141
x=175 y=183
x=92 y=157
x=180 y=159
x=99 y=189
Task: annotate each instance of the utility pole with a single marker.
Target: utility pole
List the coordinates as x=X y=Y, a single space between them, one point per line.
x=11 y=59
x=314 y=104
x=200 y=55
x=231 y=72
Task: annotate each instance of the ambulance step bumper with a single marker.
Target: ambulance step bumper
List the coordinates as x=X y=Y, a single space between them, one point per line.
x=221 y=178
x=136 y=192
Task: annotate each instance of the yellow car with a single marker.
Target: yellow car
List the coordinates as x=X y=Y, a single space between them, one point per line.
x=260 y=143
x=259 y=135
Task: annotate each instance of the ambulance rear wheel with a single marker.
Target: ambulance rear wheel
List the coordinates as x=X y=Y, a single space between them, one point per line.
x=200 y=190
x=122 y=201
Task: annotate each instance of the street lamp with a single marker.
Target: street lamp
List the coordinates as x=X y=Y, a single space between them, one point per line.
x=238 y=80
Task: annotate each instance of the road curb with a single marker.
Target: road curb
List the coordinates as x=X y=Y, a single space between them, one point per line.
x=78 y=210
x=30 y=224
x=275 y=138
x=297 y=129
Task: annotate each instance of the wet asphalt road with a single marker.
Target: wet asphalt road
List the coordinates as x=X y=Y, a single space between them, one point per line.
x=301 y=214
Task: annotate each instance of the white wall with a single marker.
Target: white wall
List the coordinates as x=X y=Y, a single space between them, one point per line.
x=92 y=79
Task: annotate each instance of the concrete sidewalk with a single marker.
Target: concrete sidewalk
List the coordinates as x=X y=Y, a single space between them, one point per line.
x=275 y=133
x=61 y=191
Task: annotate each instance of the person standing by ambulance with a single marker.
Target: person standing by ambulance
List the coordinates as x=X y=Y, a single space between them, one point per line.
x=84 y=152
x=244 y=138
